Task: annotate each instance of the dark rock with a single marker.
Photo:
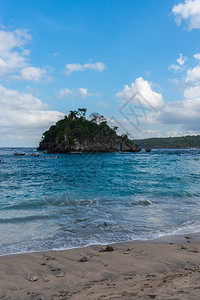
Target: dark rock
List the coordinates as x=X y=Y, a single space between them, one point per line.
x=50 y=258
x=60 y=275
x=55 y=269
x=107 y=249
x=183 y=247
x=83 y=259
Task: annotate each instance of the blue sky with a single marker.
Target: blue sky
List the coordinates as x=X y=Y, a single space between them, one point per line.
x=136 y=62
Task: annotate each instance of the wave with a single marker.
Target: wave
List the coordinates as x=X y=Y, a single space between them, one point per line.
x=26 y=219
x=142 y=203
x=46 y=245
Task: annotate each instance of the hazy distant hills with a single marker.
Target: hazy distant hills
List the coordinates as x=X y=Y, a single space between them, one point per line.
x=183 y=142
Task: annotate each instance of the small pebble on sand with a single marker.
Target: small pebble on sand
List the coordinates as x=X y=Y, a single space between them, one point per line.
x=33 y=278
x=83 y=259
x=108 y=249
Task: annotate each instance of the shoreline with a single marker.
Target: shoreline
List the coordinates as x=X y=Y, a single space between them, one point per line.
x=163 y=268
x=159 y=238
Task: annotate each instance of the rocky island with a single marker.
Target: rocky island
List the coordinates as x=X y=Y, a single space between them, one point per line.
x=76 y=133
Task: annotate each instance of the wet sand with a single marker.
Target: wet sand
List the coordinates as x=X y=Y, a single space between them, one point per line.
x=167 y=268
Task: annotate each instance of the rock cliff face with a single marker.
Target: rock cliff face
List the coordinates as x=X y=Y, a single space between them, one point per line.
x=77 y=134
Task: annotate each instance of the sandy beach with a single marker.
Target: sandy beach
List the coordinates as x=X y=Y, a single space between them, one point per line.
x=166 y=268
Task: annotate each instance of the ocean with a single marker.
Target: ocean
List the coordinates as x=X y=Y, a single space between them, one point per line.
x=82 y=199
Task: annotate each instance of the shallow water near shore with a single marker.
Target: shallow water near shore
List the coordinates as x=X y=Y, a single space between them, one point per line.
x=82 y=199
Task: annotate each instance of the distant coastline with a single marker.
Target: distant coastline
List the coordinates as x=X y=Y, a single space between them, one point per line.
x=183 y=142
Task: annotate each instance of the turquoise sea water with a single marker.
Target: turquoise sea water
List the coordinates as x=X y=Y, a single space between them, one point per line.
x=82 y=199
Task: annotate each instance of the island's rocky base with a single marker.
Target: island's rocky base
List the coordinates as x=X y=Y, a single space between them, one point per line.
x=87 y=146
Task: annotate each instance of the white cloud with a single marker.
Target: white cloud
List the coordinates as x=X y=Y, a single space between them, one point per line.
x=32 y=74
x=11 y=62
x=79 y=93
x=188 y=11
x=103 y=104
x=99 y=66
x=12 y=54
x=175 y=67
x=181 y=60
x=14 y=57
x=22 y=113
x=175 y=116
x=185 y=112
x=56 y=53
x=175 y=133
x=197 y=56
x=142 y=91
x=179 y=115
x=192 y=92
x=172 y=118
x=13 y=39
x=193 y=75
x=83 y=92
x=64 y=93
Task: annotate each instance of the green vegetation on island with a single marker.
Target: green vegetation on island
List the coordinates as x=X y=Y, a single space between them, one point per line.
x=183 y=142
x=76 y=133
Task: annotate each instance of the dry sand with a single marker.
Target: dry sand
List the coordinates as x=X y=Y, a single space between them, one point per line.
x=160 y=269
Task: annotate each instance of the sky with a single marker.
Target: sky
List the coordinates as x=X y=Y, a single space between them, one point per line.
x=135 y=62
